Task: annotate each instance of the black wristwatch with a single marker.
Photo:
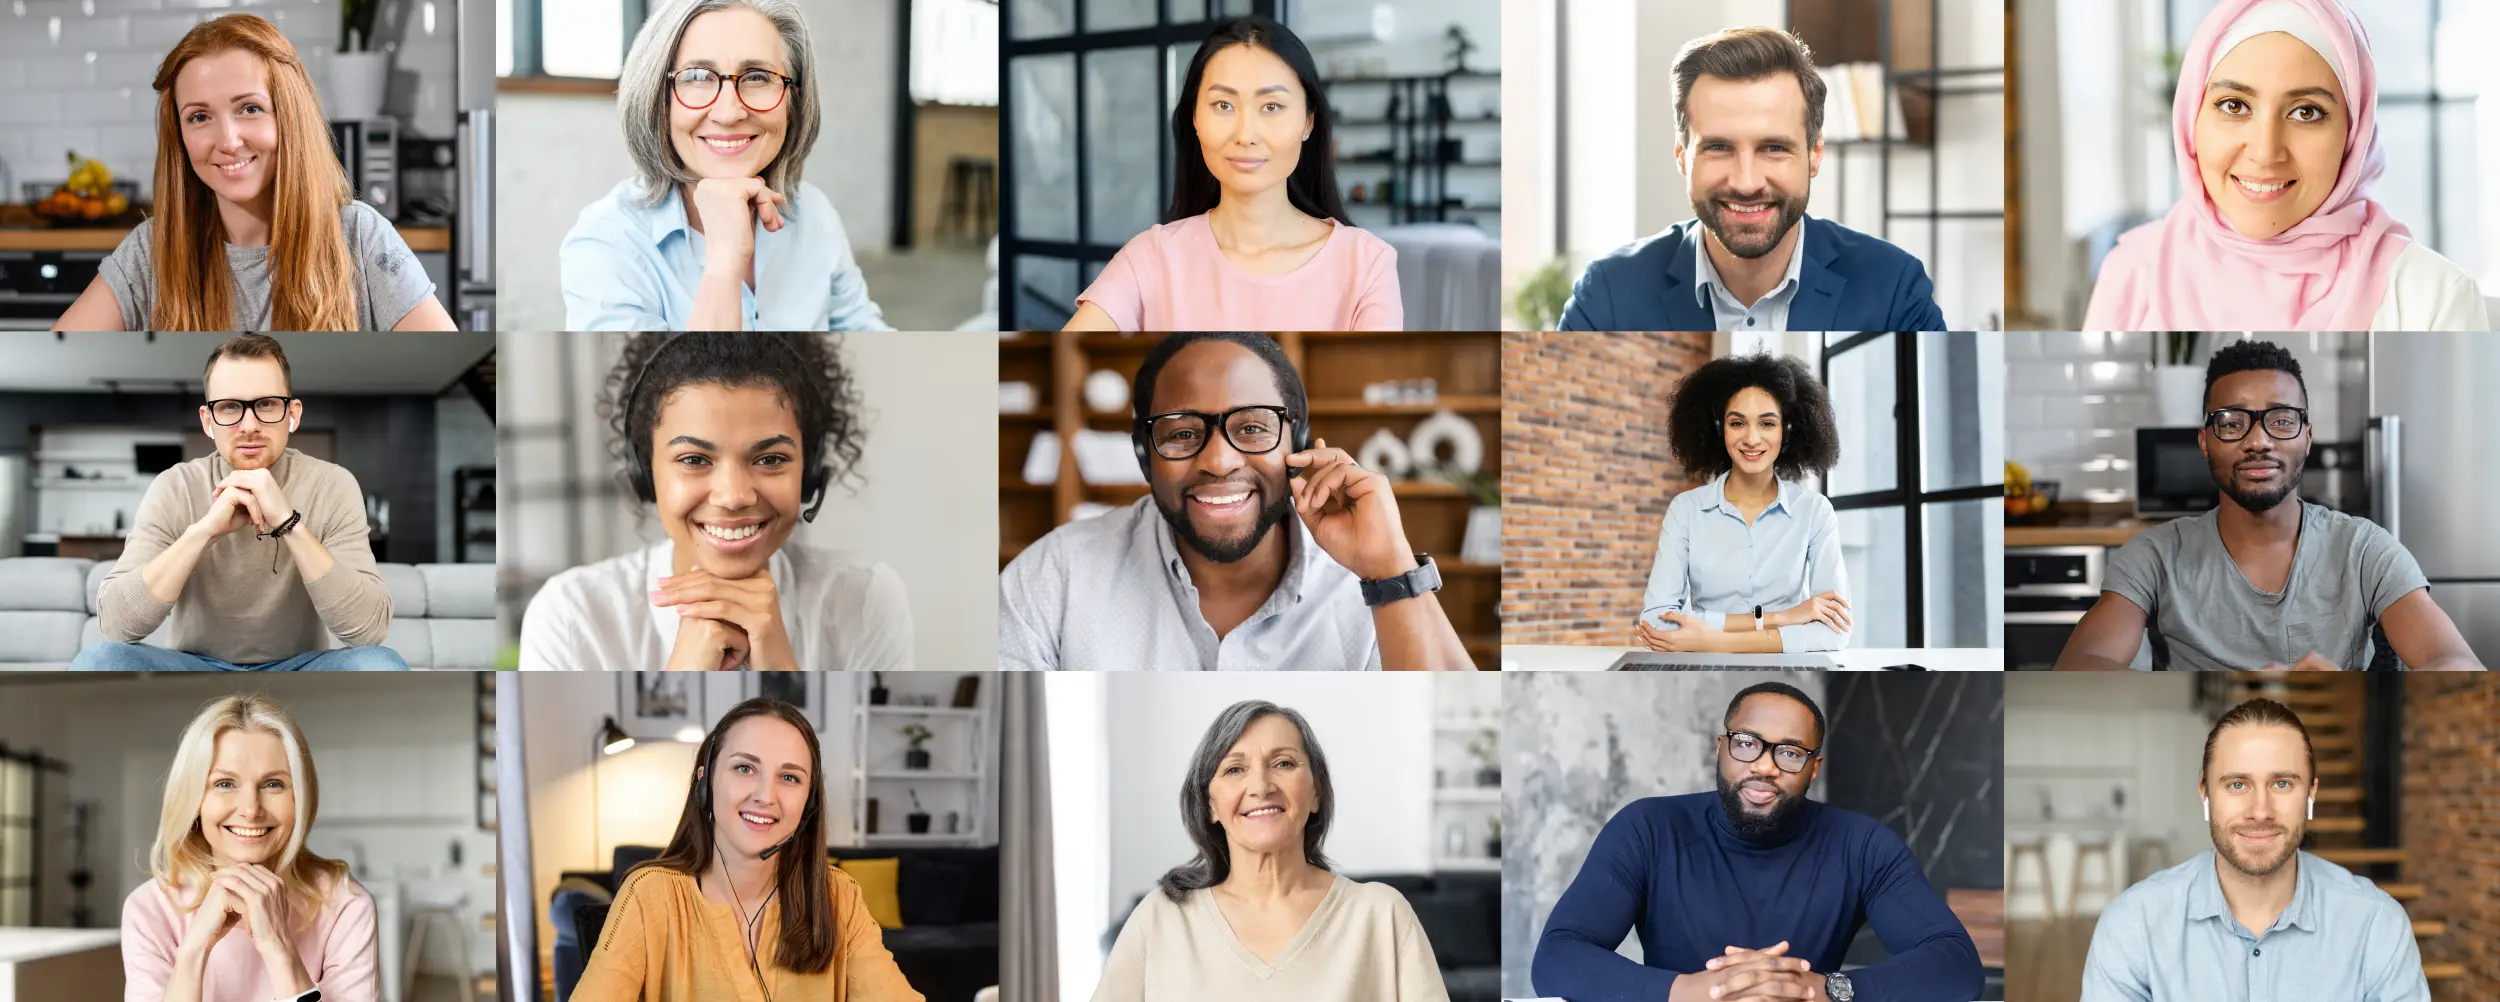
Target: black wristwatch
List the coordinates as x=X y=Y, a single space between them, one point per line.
x=1838 y=987
x=1423 y=580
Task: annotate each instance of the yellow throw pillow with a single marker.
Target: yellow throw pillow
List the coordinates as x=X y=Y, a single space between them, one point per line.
x=878 y=880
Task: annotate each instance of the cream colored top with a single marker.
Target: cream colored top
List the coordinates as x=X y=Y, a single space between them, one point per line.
x=2427 y=292
x=1363 y=944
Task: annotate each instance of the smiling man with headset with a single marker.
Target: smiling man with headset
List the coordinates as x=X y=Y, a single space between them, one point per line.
x=730 y=441
x=1190 y=577
x=255 y=552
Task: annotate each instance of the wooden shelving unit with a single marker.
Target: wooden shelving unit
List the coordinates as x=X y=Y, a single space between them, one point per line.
x=1335 y=367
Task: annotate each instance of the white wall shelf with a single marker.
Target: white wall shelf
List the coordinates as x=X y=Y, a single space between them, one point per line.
x=961 y=779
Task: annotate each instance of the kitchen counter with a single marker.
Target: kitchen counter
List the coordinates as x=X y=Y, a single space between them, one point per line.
x=60 y=965
x=16 y=234
x=2105 y=534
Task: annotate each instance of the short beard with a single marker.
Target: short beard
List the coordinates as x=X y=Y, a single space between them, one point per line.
x=1776 y=824
x=2261 y=502
x=1791 y=209
x=2225 y=848
x=1225 y=553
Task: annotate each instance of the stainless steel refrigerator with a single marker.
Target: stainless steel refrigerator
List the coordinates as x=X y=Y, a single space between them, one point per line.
x=473 y=234
x=2430 y=478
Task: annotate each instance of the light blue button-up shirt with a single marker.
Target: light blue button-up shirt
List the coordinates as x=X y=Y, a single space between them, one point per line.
x=627 y=266
x=1769 y=313
x=1713 y=565
x=2172 y=938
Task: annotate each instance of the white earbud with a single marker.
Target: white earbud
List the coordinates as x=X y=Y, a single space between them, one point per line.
x=2313 y=808
x=292 y=422
x=2209 y=810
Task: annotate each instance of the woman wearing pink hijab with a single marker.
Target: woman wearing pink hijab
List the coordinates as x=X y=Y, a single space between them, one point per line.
x=2276 y=126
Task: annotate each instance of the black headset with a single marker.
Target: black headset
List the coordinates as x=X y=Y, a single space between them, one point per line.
x=638 y=465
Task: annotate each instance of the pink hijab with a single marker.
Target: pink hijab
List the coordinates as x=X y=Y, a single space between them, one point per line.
x=2190 y=270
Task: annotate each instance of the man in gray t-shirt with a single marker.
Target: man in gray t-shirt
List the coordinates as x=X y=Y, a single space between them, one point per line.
x=2265 y=580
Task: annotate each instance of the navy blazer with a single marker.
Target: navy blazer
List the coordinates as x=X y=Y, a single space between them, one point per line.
x=1849 y=282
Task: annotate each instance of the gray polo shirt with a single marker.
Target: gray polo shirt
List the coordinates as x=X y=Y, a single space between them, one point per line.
x=2172 y=938
x=2345 y=572
x=1769 y=313
x=1111 y=593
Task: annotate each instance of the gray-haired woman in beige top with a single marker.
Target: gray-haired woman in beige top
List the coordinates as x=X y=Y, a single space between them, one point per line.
x=1258 y=916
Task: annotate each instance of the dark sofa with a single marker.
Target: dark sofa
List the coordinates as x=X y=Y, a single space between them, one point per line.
x=947 y=948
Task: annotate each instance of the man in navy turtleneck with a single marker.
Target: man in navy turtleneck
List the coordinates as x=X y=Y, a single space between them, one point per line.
x=1753 y=893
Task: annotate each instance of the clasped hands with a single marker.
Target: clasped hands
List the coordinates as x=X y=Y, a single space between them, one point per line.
x=1744 y=975
x=250 y=897
x=723 y=623
x=1693 y=633
x=245 y=496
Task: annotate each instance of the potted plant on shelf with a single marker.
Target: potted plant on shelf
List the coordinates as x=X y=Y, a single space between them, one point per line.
x=1493 y=840
x=1486 y=746
x=917 y=822
x=916 y=757
x=360 y=74
x=877 y=693
x=1482 y=541
x=2178 y=382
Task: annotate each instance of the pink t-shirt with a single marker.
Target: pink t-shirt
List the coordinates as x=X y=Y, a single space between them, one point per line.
x=1174 y=278
x=339 y=950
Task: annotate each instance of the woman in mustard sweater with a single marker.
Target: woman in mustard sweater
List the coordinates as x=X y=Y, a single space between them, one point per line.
x=743 y=905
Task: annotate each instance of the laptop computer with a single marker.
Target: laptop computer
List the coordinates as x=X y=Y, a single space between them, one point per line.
x=1660 y=661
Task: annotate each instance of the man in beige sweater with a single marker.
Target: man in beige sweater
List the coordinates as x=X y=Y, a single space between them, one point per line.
x=256 y=552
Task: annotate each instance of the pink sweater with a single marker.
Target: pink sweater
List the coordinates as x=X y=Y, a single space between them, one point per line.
x=1174 y=278
x=339 y=950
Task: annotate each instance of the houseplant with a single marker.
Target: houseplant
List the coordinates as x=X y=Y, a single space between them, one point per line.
x=916 y=757
x=917 y=822
x=360 y=74
x=1486 y=746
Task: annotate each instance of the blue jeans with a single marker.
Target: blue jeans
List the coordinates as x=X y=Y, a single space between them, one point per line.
x=141 y=657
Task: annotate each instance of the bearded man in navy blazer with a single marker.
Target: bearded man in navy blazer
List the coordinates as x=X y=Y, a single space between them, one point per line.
x=1749 y=139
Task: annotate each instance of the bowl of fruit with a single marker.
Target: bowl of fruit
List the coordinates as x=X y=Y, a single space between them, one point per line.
x=91 y=197
x=2026 y=499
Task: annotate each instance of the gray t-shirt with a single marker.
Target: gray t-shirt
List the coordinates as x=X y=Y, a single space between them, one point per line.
x=389 y=281
x=2345 y=572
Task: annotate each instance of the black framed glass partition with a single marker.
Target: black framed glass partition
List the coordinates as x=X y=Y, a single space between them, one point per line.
x=1085 y=104
x=1918 y=486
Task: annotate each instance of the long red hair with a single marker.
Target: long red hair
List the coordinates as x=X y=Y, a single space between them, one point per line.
x=312 y=280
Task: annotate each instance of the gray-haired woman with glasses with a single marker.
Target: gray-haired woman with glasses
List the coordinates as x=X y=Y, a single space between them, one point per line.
x=721 y=103
x=1259 y=916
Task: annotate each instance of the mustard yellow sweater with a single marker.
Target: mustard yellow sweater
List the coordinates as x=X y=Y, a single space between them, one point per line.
x=665 y=942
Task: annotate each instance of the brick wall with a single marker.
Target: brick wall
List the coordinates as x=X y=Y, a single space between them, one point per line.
x=2452 y=824
x=1585 y=478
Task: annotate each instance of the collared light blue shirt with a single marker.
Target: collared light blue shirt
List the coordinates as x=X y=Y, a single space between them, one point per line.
x=628 y=266
x=1769 y=313
x=2172 y=938
x=1713 y=565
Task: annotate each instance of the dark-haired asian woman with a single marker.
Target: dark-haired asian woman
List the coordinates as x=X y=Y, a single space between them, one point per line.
x=1256 y=237
x=743 y=903
x=1749 y=562
x=1258 y=916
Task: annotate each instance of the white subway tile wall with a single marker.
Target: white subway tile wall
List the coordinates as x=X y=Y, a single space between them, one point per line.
x=2073 y=401
x=78 y=74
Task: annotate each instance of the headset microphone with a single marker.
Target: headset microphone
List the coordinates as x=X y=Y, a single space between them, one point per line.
x=773 y=848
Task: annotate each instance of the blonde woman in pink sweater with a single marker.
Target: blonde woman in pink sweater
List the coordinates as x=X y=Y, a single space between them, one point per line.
x=239 y=910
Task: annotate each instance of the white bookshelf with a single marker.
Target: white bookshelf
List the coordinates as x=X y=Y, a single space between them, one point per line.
x=1465 y=709
x=962 y=775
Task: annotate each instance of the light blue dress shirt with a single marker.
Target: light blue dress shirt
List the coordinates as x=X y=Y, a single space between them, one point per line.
x=1713 y=565
x=2172 y=938
x=627 y=266
x=1769 y=313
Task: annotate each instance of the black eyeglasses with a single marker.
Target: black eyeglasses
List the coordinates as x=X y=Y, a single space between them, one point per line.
x=1746 y=746
x=270 y=410
x=761 y=90
x=1255 y=429
x=2231 y=424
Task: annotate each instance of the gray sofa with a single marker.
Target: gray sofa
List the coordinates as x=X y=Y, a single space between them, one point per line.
x=442 y=615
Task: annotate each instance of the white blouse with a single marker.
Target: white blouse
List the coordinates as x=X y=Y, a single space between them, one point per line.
x=842 y=611
x=2427 y=292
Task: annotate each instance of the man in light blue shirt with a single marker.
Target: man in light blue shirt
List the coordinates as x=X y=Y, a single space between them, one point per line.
x=2184 y=934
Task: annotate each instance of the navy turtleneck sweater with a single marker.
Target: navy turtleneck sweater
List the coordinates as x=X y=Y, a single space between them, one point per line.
x=1674 y=868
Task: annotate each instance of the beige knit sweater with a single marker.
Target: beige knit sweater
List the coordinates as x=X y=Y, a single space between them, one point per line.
x=234 y=607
